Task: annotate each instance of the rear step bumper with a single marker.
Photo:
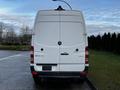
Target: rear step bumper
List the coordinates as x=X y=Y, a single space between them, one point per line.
x=49 y=74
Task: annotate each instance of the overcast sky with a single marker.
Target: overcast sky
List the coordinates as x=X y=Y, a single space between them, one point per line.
x=100 y=15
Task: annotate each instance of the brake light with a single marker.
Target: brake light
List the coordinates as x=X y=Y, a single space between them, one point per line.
x=86 y=55
x=32 y=55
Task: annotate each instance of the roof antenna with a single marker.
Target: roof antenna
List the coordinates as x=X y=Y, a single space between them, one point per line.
x=65 y=3
x=60 y=8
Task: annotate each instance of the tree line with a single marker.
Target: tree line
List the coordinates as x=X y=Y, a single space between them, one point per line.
x=8 y=36
x=16 y=40
x=108 y=42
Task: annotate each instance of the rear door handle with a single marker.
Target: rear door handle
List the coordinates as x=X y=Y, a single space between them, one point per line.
x=65 y=53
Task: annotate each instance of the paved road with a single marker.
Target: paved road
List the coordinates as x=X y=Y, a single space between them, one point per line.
x=5 y=53
x=15 y=75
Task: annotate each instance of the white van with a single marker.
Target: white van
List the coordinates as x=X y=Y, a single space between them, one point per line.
x=59 y=45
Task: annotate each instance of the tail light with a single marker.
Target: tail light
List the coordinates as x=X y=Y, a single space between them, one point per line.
x=86 y=55
x=32 y=55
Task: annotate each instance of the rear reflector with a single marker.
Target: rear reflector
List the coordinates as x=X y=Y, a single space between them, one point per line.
x=34 y=73
x=83 y=74
x=86 y=61
x=32 y=55
x=86 y=55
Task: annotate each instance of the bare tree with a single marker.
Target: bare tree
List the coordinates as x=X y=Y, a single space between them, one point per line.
x=10 y=37
x=2 y=26
x=25 y=35
x=25 y=30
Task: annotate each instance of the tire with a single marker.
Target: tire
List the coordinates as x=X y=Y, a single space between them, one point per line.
x=37 y=80
x=79 y=80
x=82 y=80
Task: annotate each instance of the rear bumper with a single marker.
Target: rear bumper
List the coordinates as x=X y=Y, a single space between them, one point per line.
x=50 y=74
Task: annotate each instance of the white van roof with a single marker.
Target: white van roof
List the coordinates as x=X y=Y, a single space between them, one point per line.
x=56 y=12
x=53 y=15
x=47 y=21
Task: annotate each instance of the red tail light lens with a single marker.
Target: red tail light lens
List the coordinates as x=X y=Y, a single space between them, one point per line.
x=86 y=55
x=32 y=55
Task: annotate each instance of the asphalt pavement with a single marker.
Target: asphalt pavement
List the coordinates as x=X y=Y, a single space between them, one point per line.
x=15 y=75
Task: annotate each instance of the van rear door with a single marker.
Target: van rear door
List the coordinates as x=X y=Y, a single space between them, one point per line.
x=72 y=50
x=46 y=40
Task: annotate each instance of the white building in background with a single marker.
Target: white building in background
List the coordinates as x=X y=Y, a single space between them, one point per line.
x=8 y=33
x=12 y=31
x=3 y=34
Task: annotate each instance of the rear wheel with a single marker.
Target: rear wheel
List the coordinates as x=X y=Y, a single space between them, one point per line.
x=79 y=80
x=82 y=80
x=37 y=80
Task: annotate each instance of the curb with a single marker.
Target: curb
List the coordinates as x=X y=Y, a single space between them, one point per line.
x=90 y=84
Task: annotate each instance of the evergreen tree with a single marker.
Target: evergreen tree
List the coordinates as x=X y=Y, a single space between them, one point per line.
x=107 y=42
x=113 y=42
x=118 y=43
x=98 y=42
